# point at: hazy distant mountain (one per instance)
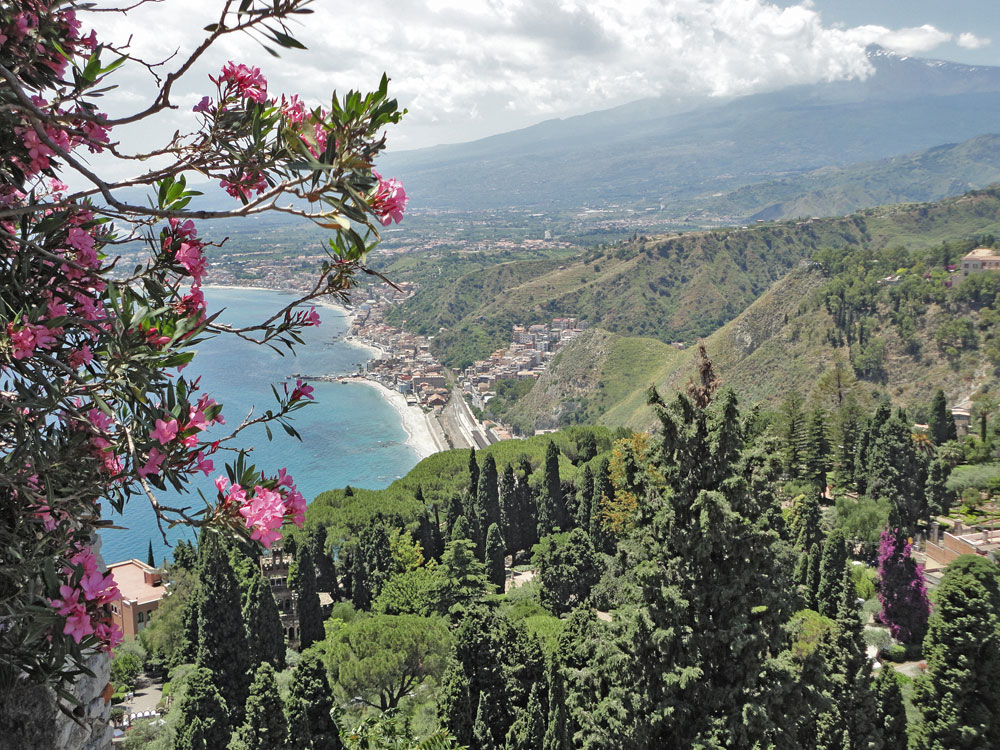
(925, 175)
(665, 150)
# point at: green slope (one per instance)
(677, 287)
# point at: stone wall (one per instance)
(31, 720)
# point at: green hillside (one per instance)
(670, 288)
(917, 336)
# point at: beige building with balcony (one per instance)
(141, 589)
(980, 259)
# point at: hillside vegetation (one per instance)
(676, 287)
(915, 337)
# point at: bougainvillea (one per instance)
(95, 409)
(901, 590)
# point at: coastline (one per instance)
(420, 434)
(416, 422)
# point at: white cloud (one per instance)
(968, 40)
(468, 68)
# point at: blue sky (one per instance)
(466, 69)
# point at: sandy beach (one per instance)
(420, 435)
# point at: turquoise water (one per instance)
(351, 435)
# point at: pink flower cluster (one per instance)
(265, 508)
(101, 425)
(181, 243)
(81, 604)
(172, 435)
(300, 392)
(389, 200)
(247, 81)
(26, 338)
(244, 184)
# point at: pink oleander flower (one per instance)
(44, 338)
(165, 431)
(23, 341)
(203, 464)
(248, 81)
(244, 185)
(95, 136)
(82, 356)
(183, 229)
(313, 317)
(293, 109)
(189, 256)
(389, 200)
(204, 105)
(153, 462)
(264, 514)
(301, 391)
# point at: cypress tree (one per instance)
(804, 526)
(896, 471)
(495, 549)
(310, 613)
(510, 524)
(185, 555)
(150, 561)
(556, 729)
(464, 576)
(940, 423)
(455, 703)
(203, 721)
(831, 574)
(454, 511)
(852, 684)
(222, 639)
(528, 730)
(585, 498)
(187, 652)
(901, 591)
(957, 695)
(889, 710)
(265, 634)
(482, 737)
(604, 492)
(526, 501)
(473, 473)
(326, 571)
(488, 494)
(794, 433)
(265, 727)
(940, 499)
(372, 564)
(813, 577)
(817, 453)
(310, 705)
(551, 507)
(849, 426)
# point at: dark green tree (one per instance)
(488, 494)
(551, 507)
(896, 471)
(454, 511)
(372, 563)
(309, 610)
(940, 423)
(851, 683)
(185, 555)
(455, 703)
(265, 727)
(712, 591)
(309, 707)
(817, 453)
(150, 560)
(203, 719)
(482, 737)
(510, 522)
(585, 496)
(222, 638)
(495, 553)
(586, 447)
(957, 695)
(794, 433)
(813, 577)
(528, 729)
(264, 632)
(326, 570)
(568, 569)
(804, 524)
(557, 734)
(940, 498)
(527, 503)
(187, 651)
(604, 492)
(889, 710)
(831, 574)
(473, 473)
(464, 576)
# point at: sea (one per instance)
(350, 435)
